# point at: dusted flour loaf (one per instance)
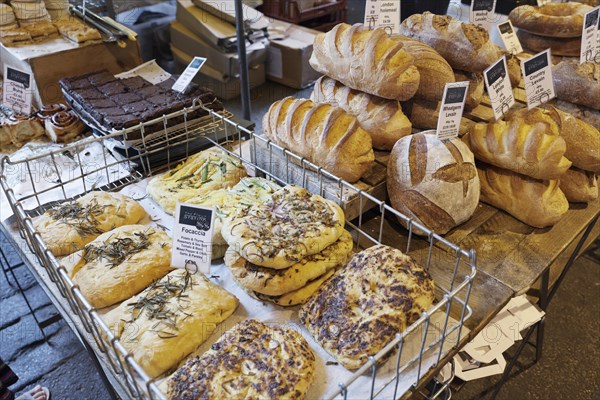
(120, 263)
(200, 174)
(170, 319)
(577, 83)
(433, 182)
(250, 361)
(292, 225)
(71, 225)
(365, 304)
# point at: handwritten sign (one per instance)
(383, 14)
(451, 110)
(192, 237)
(537, 73)
(499, 88)
(17, 90)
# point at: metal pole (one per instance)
(241, 44)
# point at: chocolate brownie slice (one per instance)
(139, 107)
(113, 88)
(101, 78)
(101, 103)
(120, 121)
(168, 84)
(149, 91)
(135, 83)
(83, 95)
(126, 98)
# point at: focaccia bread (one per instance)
(366, 60)
(170, 319)
(292, 225)
(69, 226)
(563, 20)
(364, 305)
(579, 186)
(120, 263)
(250, 361)
(295, 297)
(382, 119)
(202, 173)
(579, 84)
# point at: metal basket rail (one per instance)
(452, 296)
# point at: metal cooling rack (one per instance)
(452, 298)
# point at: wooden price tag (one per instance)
(498, 85)
(537, 73)
(383, 14)
(589, 36)
(192, 237)
(451, 110)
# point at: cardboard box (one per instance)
(51, 61)
(187, 41)
(225, 89)
(289, 55)
(216, 31)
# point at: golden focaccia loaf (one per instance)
(69, 226)
(250, 361)
(292, 225)
(170, 319)
(364, 305)
(202, 173)
(366, 60)
(120, 263)
(295, 297)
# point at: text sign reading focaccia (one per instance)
(17, 91)
(192, 237)
(589, 36)
(509, 38)
(499, 88)
(451, 110)
(537, 73)
(188, 75)
(482, 12)
(383, 14)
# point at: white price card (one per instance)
(589, 36)
(188, 75)
(192, 237)
(537, 73)
(499, 88)
(451, 110)
(512, 44)
(17, 90)
(383, 14)
(597, 52)
(482, 13)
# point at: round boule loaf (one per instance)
(433, 181)
(563, 20)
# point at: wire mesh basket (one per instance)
(452, 290)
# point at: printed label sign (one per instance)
(482, 12)
(188, 75)
(589, 36)
(451, 110)
(192, 237)
(17, 90)
(512, 44)
(499, 88)
(383, 14)
(537, 73)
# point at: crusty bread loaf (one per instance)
(570, 47)
(529, 144)
(514, 69)
(476, 87)
(536, 202)
(465, 46)
(579, 186)
(323, 134)
(432, 181)
(366, 60)
(586, 114)
(383, 119)
(564, 20)
(579, 84)
(424, 115)
(434, 70)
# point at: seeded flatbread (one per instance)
(168, 320)
(120, 263)
(299, 296)
(276, 282)
(250, 361)
(364, 305)
(200, 174)
(293, 225)
(73, 224)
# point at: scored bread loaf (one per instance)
(366, 60)
(465, 46)
(529, 144)
(586, 114)
(579, 84)
(570, 47)
(425, 114)
(434, 70)
(579, 186)
(323, 134)
(432, 181)
(382, 118)
(514, 69)
(536, 202)
(563, 20)
(476, 87)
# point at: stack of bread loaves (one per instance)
(30, 12)
(57, 9)
(7, 18)
(557, 26)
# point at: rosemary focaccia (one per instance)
(292, 225)
(202, 173)
(120, 263)
(227, 202)
(170, 319)
(69, 226)
(298, 296)
(363, 306)
(250, 361)
(276, 282)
